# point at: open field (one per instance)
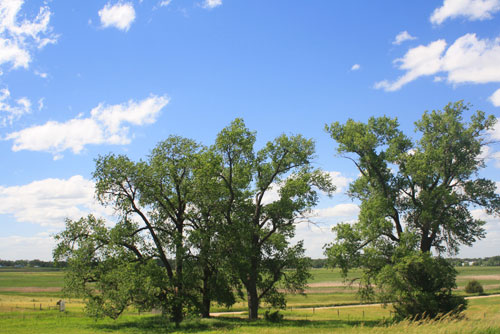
(28, 305)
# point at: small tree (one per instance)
(474, 287)
(415, 196)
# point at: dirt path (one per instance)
(217, 314)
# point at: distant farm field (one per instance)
(28, 305)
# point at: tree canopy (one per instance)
(414, 194)
(194, 226)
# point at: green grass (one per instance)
(20, 311)
(483, 316)
(31, 279)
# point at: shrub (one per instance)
(275, 316)
(474, 287)
(420, 286)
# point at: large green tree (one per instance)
(155, 203)
(258, 231)
(415, 195)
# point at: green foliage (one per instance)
(273, 316)
(420, 285)
(474, 286)
(195, 227)
(415, 195)
(258, 227)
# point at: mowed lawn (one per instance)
(28, 305)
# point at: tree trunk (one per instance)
(253, 298)
(205, 307)
(252, 295)
(177, 315)
(425, 244)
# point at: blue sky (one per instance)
(83, 78)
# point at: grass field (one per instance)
(28, 305)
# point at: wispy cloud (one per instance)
(107, 124)
(403, 36)
(355, 67)
(211, 3)
(470, 9)
(12, 110)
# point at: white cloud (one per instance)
(12, 111)
(42, 75)
(317, 234)
(355, 67)
(419, 61)
(211, 3)
(495, 98)
(495, 132)
(467, 60)
(19, 39)
(496, 157)
(41, 104)
(27, 248)
(48, 202)
(106, 125)
(339, 181)
(402, 37)
(119, 15)
(471, 9)
(164, 3)
(340, 210)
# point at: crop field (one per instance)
(28, 305)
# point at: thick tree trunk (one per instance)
(252, 295)
(253, 299)
(425, 244)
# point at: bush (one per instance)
(474, 287)
(275, 316)
(420, 286)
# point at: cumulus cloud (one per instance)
(340, 210)
(18, 39)
(402, 37)
(107, 124)
(12, 110)
(16, 247)
(467, 60)
(211, 3)
(471, 9)
(48, 202)
(317, 234)
(120, 15)
(419, 61)
(495, 132)
(495, 98)
(355, 67)
(339, 180)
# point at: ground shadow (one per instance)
(160, 324)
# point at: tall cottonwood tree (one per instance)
(152, 199)
(415, 196)
(258, 232)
